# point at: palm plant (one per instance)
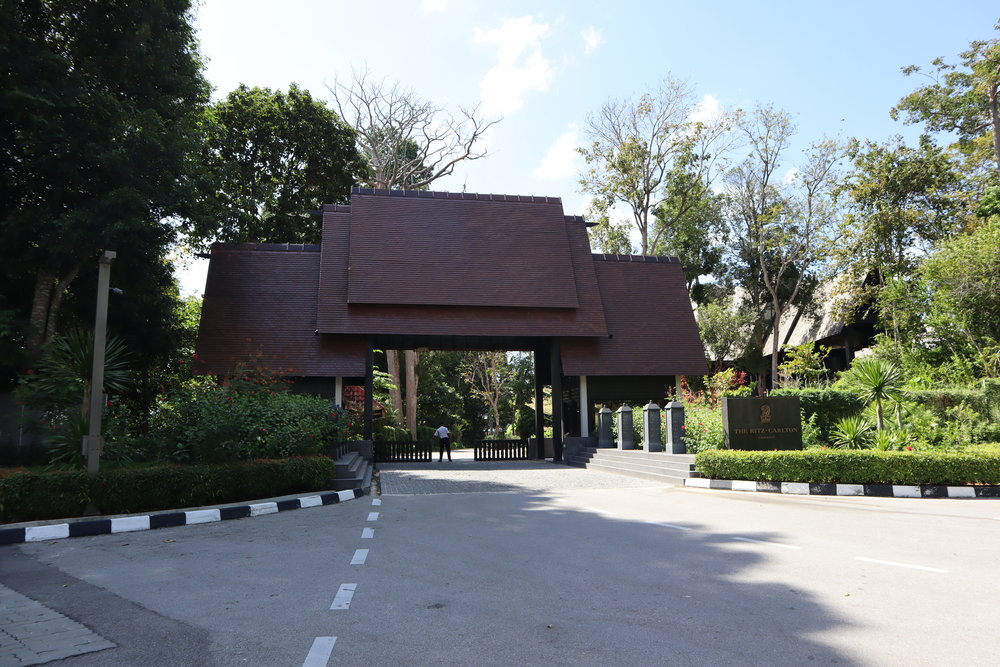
(851, 433)
(881, 382)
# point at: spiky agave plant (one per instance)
(851, 433)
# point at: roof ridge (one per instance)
(267, 247)
(474, 196)
(642, 259)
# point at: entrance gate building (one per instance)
(415, 269)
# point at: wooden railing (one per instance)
(501, 450)
(402, 451)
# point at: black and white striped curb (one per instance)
(821, 489)
(127, 524)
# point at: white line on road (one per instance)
(320, 652)
(343, 598)
(668, 525)
(367, 533)
(373, 516)
(359, 557)
(907, 565)
(376, 501)
(770, 544)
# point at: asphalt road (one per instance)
(561, 567)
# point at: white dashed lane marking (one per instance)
(770, 544)
(360, 556)
(924, 568)
(367, 533)
(668, 525)
(376, 501)
(373, 516)
(343, 598)
(319, 654)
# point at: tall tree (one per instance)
(635, 145)
(899, 202)
(409, 143)
(268, 159)
(963, 98)
(784, 228)
(98, 119)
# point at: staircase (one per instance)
(353, 472)
(657, 466)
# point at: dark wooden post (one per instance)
(369, 390)
(539, 408)
(555, 363)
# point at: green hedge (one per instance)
(852, 467)
(26, 496)
(939, 401)
(829, 406)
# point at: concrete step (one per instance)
(347, 463)
(658, 466)
(353, 472)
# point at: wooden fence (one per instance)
(501, 450)
(402, 451)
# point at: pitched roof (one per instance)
(260, 304)
(424, 248)
(338, 313)
(651, 328)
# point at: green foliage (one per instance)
(52, 495)
(852, 467)
(824, 406)
(851, 433)
(729, 382)
(879, 381)
(270, 158)
(702, 428)
(247, 416)
(724, 329)
(803, 364)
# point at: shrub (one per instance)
(827, 405)
(853, 466)
(851, 433)
(53, 495)
(702, 428)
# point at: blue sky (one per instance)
(546, 65)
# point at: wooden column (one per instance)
(555, 363)
(584, 408)
(369, 390)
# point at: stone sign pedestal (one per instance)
(675, 427)
(762, 423)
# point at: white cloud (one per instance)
(707, 111)
(592, 39)
(520, 67)
(790, 176)
(562, 160)
(434, 6)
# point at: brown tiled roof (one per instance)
(260, 303)
(421, 248)
(336, 315)
(652, 330)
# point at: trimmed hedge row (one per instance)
(829, 406)
(852, 467)
(28, 496)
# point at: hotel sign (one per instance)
(762, 423)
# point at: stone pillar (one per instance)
(626, 437)
(584, 408)
(675, 427)
(604, 438)
(651, 428)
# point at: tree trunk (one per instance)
(55, 302)
(395, 393)
(411, 359)
(775, 334)
(44, 282)
(994, 103)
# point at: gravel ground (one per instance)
(464, 475)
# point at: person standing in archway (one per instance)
(445, 444)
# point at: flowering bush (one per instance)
(702, 427)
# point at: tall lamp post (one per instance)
(93, 443)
